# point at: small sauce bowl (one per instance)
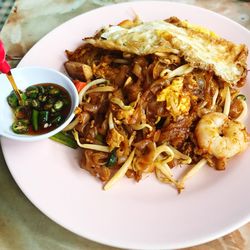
(25, 77)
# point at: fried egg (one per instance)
(200, 47)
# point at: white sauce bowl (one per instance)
(25, 77)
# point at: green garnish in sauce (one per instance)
(44, 107)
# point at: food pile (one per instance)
(157, 95)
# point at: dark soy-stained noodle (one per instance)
(141, 114)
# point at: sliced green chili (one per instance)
(35, 103)
(20, 127)
(22, 112)
(32, 91)
(54, 91)
(28, 102)
(57, 120)
(43, 117)
(41, 89)
(12, 100)
(54, 112)
(58, 105)
(42, 98)
(23, 99)
(48, 106)
(34, 119)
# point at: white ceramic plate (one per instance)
(145, 215)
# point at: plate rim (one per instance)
(115, 244)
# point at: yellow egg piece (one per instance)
(177, 102)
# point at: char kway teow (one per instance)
(157, 95)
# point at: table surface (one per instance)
(22, 225)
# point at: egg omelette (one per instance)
(200, 47)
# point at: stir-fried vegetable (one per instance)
(65, 138)
(112, 159)
(138, 112)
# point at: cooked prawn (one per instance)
(220, 136)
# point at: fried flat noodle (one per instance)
(149, 87)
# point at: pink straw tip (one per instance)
(4, 66)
